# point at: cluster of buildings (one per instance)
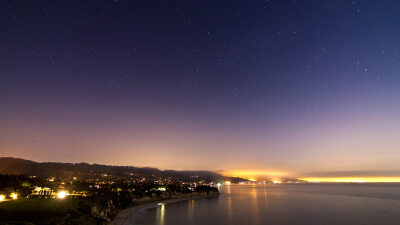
(45, 192)
(54, 187)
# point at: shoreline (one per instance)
(124, 214)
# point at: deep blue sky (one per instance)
(277, 86)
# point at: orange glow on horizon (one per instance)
(253, 175)
(351, 179)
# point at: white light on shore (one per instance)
(14, 195)
(61, 194)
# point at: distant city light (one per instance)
(161, 189)
(276, 182)
(2, 198)
(227, 182)
(61, 194)
(14, 195)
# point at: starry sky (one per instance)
(278, 87)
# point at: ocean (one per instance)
(282, 204)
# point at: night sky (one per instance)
(272, 87)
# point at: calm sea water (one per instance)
(283, 204)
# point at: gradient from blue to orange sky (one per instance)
(285, 88)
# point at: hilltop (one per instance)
(17, 166)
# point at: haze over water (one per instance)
(283, 204)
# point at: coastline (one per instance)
(124, 214)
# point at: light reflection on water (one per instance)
(190, 214)
(254, 203)
(160, 214)
(283, 204)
